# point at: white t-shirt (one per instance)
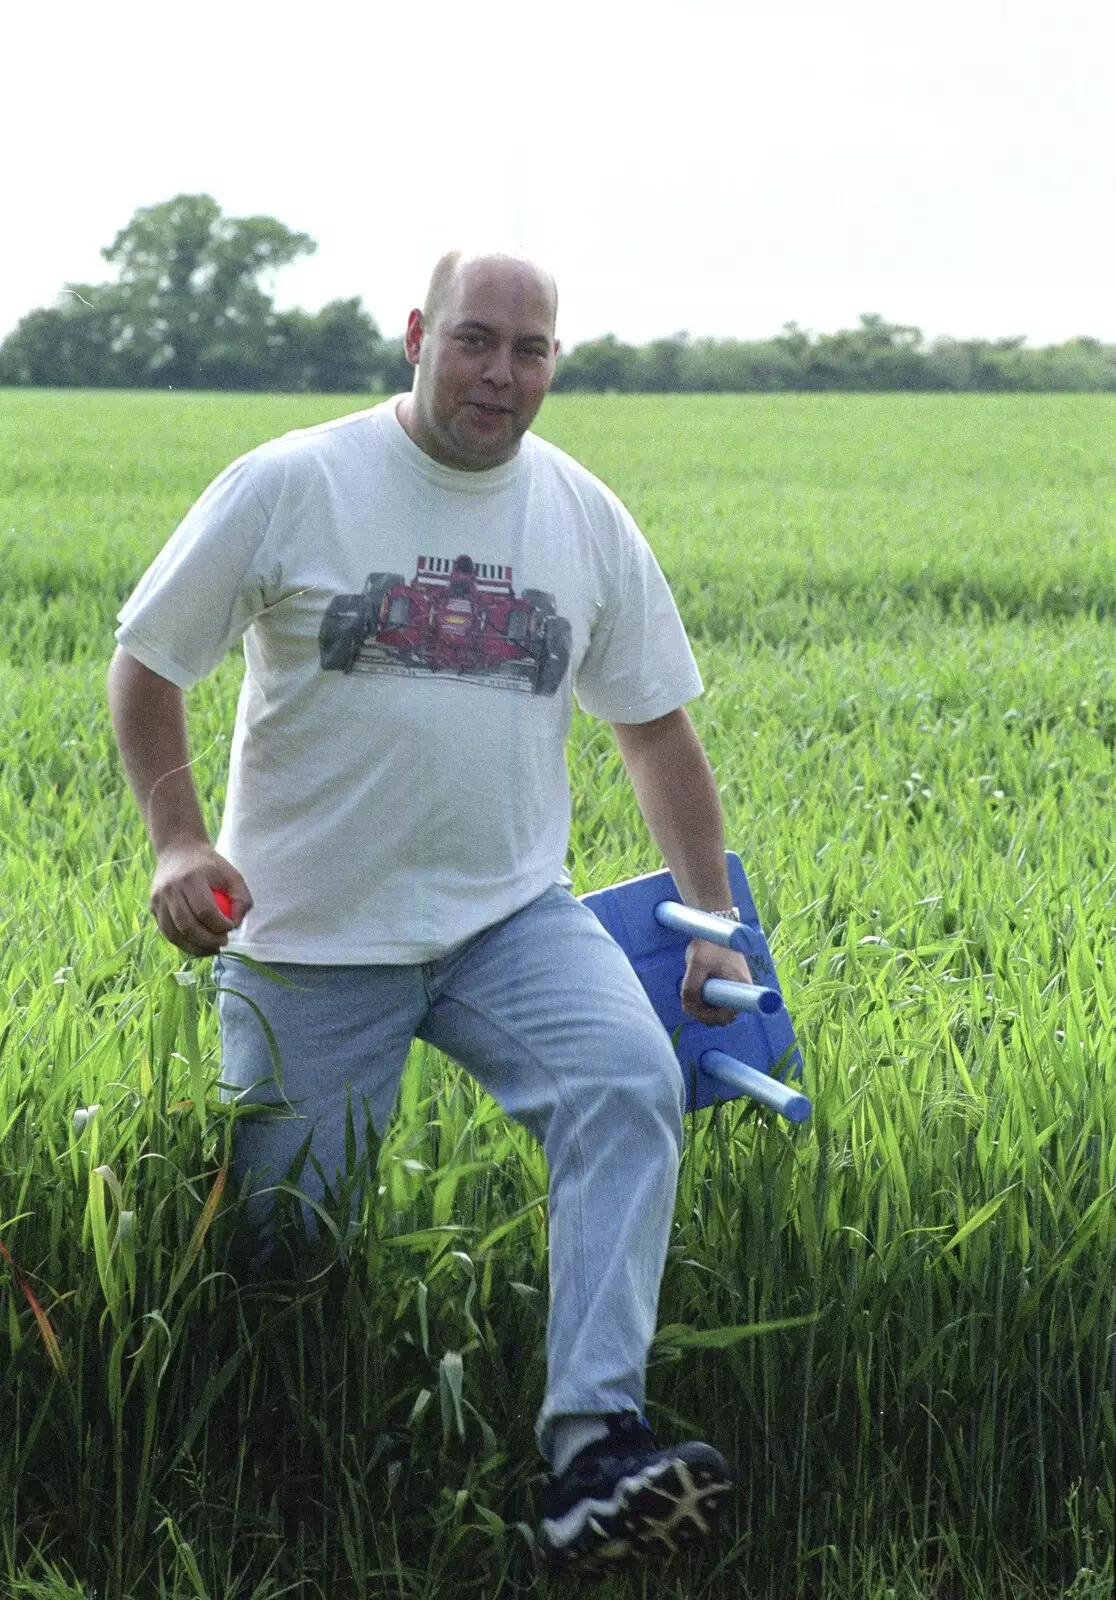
(412, 637)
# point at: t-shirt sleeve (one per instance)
(639, 664)
(199, 595)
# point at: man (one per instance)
(419, 590)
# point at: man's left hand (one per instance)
(706, 960)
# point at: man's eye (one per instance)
(474, 340)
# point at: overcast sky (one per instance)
(722, 166)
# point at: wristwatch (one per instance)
(730, 914)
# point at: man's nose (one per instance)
(498, 368)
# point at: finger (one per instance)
(239, 893)
(182, 941)
(705, 960)
(693, 987)
(177, 921)
(714, 1016)
(202, 915)
(230, 893)
(695, 1006)
(691, 997)
(233, 903)
(735, 971)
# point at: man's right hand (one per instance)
(182, 900)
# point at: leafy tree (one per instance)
(337, 350)
(394, 372)
(190, 307)
(877, 355)
(66, 345)
(188, 310)
(663, 361)
(794, 342)
(601, 365)
(734, 366)
(949, 365)
(1081, 365)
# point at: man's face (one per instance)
(483, 366)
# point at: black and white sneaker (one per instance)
(624, 1496)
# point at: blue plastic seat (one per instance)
(755, 1054)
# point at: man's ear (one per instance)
(412, 339)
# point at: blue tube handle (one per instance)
(701, 925)
(741, 996)
(742, 1079)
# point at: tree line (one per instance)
(188, 310)
(877, 355)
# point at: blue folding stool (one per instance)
(753, 1054)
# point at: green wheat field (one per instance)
(898, 1320)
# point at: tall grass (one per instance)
(900, 612)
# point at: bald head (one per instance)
(455, 265)
(483, 350)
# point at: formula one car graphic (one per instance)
(461, 618)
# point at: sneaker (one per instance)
(623, 1496)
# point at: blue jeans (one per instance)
(545, 1012)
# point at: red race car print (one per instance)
(461, 617)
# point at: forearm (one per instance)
(677, 795)
(149, 719)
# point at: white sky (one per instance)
(717, 165)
